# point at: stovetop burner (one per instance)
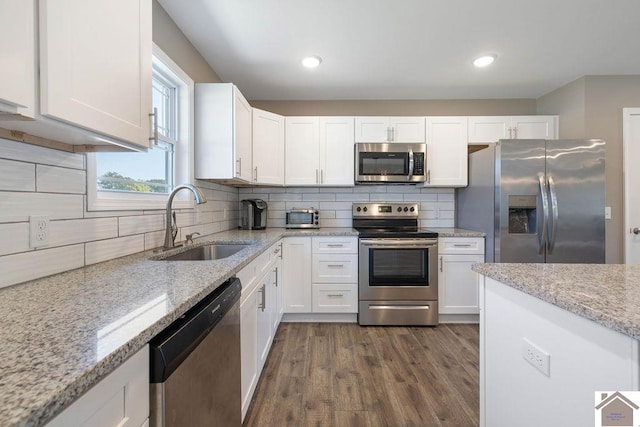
(389, 220)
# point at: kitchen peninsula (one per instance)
(553, 333)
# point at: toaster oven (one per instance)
(302, 218)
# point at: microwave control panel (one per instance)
(418, 163)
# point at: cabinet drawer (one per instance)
(334, 268)
(335, 245)
(335, 298)
(461, 245)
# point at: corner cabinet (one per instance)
(319, 151)
(267, 148)
(458, 299)
(484, 129)
(77, 74)
(120, 399)
(390, 129)
(447, 153)
(223, 126)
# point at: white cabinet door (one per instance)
(534, 127)
(242, 128)
(458, 284)
(447, 153)
(372, 129)
(120, 399)
(302, 148)
(407, 129)
(268, 148)
(336, 151)
(296, 254)
(488, 128)
(17, 50)
(249, 347)
(389, 129)
(95, 66)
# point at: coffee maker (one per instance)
(253, 215)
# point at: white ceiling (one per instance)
(410, 49)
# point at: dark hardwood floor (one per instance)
(334, 374)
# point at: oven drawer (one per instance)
(328, 268)
(334, 245)
(461, 245)
(398, 313)
(335, 298)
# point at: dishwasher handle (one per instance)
(175, 343)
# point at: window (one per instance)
(118, 180)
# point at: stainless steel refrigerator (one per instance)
(537, 200)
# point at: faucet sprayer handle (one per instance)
(189, 237)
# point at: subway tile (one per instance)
(276, 214)
(153, 240)
(107, 214)
(17, 176)
(104, 250)
(206, 217)
(15, 238)
(52, 179)
(446, 197)
(449, 206)
(185, 219)
(278, 206)
(328, 214)
(301, 205)
(269, 190)
(211, 228)
(317, 197)
(386, 197)
(17, 207)
(338, 206)
(67, 232)
(13, 150)
(371, 188)
(352, 197)
(344, 214)
(32, 265)
(303, 190)
(418, 197)
(336, 189)
(436, 223)
(342, 222)
(285, 197)
(139, 224)
(275, 223)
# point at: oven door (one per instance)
(398, 269)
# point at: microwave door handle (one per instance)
(410, 165)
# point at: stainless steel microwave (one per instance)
(393, 162)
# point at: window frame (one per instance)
(183, 152)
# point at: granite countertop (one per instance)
(608, 294)
(455, 232)
(62, 334)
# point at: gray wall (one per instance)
(591, 107)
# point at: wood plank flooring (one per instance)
(335, 374)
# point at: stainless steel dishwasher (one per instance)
(195, 364)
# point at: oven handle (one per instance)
(398, 307)
(397, 243)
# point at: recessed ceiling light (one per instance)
(483, 61)
(311, 61)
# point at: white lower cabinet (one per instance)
(457, 283)
(120, 399)
(321, 274)
(260, 315)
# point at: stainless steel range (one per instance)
(397, 266)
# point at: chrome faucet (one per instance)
(170, 236)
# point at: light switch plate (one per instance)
(607, 212)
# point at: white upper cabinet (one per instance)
(319, 151)
(75, 72)
(268, 148)
(17, 50)
(447, 153)
(336, 151)
(483, 129)
(390, 129)
(222, 133)
(95, 66)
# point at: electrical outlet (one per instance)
(537, 357)
(38, 231)
(607, 212)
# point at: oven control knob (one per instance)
(358, 209)
(406, 208)
(365, 209)
(412, 209)
(399, 209)
(316, 222)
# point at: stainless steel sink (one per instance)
(208, 252)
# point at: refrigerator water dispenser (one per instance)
(522, 214)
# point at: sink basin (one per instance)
(208, 252)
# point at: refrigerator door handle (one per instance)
(542, 234)
(553, 198)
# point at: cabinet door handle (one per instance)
(428, 176)
(335, 265)
(317, 182)
(461, 245)
(263, 303)
(335, 295)
(275, 270)
(238, 166)
(321, 176)
(440, 264)
(334, 245)
(393, 133)
(153, 117)
(255, 173)
(515, 133)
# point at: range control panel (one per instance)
(385, 210)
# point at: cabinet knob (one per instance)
(635, 230)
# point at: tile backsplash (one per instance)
(437, 205)
(41, 181)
